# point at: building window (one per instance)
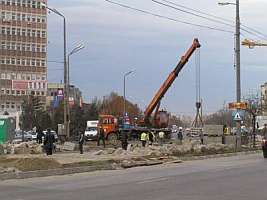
(3, 30)
(43, 34)
(8, 31)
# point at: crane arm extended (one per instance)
(251, 44)
(169, 81)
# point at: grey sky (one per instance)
(118, 40)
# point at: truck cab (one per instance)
(110, 125)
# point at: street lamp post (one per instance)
(66, 89)
(237, 60)
(124, 92)
(74, 51)
(237, 49)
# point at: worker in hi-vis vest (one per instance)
(144, 138)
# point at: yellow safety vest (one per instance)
(161, 135)
(143, 136)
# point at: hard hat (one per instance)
(180, 128)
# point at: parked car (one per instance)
(34, 136)
(21, 136)
(90, 133)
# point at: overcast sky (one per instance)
(118, 40)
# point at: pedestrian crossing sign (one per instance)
(238, 115)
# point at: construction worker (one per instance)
(49, 141)
(81, 141)
(161, 137)
(101, 136)
(151, 137)
(201, 136)
(224, 133)
(39, 136)
(180, 135)
(124, 140)
(143, 139)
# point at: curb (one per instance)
(74, 170)
(52, 172)
(219, 155)
(141, 164)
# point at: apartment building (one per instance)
(23, 56)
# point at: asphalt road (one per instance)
(234, 178)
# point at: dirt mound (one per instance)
(30, 164)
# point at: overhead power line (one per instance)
(199, 11)
(214, 18)
(168, 18)
(191, 13)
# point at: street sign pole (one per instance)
(238, 115)
(238, 131)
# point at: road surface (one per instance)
(234, 178)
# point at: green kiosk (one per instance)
(7, 128)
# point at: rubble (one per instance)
(110, 150)
(69, 146)
(22, 148)
(118, 151)
(36, 149)
(190, 148)
(98, 152)
(7, 170)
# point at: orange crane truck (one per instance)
(160, 119)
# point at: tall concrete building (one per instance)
(23, 56)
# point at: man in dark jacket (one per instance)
(39, 136)
(49, 142)
(81, 142)
(180, 135)
(124, 140)
(101, 136)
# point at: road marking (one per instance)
(152, 180)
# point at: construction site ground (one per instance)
(114, 158)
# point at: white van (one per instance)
(91, 130)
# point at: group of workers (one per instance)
(150, 138)
(146, 138)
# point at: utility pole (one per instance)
(66, 81)
(237, 64)
(237, 54)
(66, 87)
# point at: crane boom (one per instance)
(251, 44)
(169, 81)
